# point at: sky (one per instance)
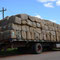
(44, 9)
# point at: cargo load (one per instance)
(28, 28)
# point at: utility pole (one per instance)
(3, 12)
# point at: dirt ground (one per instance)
(49, 55)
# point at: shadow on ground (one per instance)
(16, 52)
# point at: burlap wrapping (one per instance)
(25, 27)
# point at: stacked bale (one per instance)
(25, 27)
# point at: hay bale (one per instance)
(51, 28)
(41, 36)
(38, 30)
(52, 38)
(55, 25)
(12, 26)
(38, 25)
(44, 31)
(38, 20)
(58, 28)
(31, 29)
(23, 35)
(14, 19)
(28, 35)
(27, 28)
(34, 24)
(48, 36)
(55, 38)
(42, 26)
(19, 27)
(32, 35)
(58, 36)
(6, 35)
(29, 23)
(22, 16)
(43, 22)
(18, 35)
(44, 34)
(52, 35)
(50, 23)
(55, 28)
(24, 28)
(52, 32)
(36, 36)
(44, 37)
(23, 22)
(46, 27)
(31, 18)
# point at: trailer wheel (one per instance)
(37, 48)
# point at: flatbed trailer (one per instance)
(33, 46)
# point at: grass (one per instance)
(9, 52)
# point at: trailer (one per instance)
(24, 31)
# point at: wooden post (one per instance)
(3, 12)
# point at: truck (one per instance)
(23, 31)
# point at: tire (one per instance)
(37, 48)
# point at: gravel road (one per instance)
(55, 55)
